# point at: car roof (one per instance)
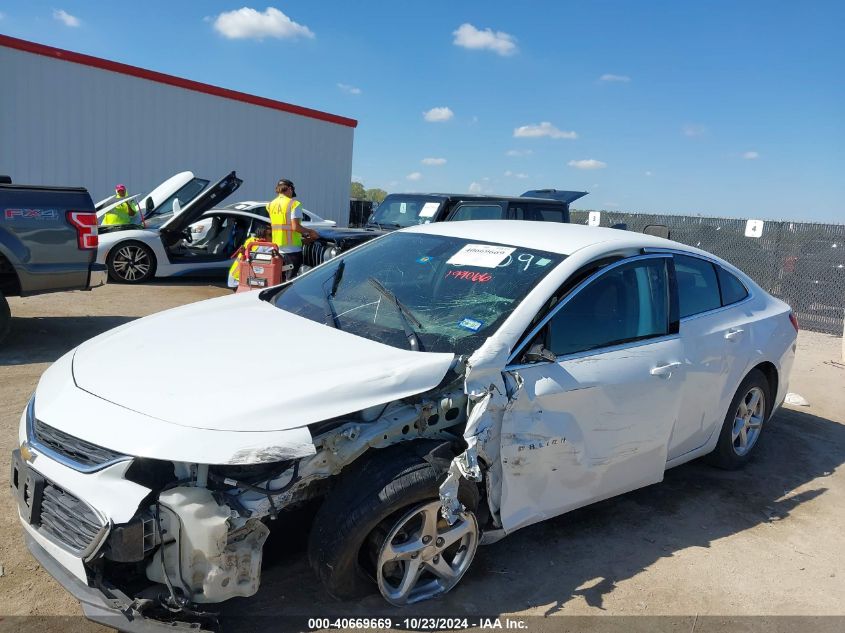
(554, 237)
(477, 197)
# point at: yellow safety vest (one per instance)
(235, 268)
(283, 233)
(120, 214)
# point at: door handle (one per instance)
(734, 333)
(664, 370)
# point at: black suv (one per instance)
(400, 210)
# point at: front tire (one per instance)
(382, 522)
(743, 425)
(131, 263)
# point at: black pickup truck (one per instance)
(400, 210)
(48, 242)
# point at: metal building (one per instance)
(73, 119)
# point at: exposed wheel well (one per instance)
(10, 285)
(771, 373)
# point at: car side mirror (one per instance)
(149, 205)
(537, 354)
(177, 208)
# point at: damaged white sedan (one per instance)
(482, 377)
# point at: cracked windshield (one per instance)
(437, 294)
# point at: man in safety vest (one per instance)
(286, 222)
(125, 213)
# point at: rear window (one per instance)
(733, 290)
(698, 288)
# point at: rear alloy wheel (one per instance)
(743, 425)
(131, 263)
(748, 421)
(423, 556)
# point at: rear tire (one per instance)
(131, 262)
(5, 317)
(744, 421)
(367, 505)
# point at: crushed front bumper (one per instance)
(113, 611)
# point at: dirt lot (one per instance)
(767, 540)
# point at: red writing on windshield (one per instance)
(468, 275)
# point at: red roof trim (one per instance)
(179, 82)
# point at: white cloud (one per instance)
(474, 187)
(247, 23)
(433, 161)
(544, 129)
(648, 173)
(414, 175)
(519, 152)
(350, 90)
(438, 115)
(473, 120)
(693, 129)
(470, 37)
(63, 16)
(511, 174)
(751, 155)
(617, 78)
(587, 163)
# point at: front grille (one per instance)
(68, 521)
(312, 253)
(79, 451)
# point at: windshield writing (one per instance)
(425, 292)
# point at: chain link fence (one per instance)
(802, 263)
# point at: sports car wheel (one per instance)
(743, 425)
(131, 263)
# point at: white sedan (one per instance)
(188, 235)
(482, 377)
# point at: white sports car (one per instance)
(185, 232)
(483, 377)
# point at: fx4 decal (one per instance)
(32, 214)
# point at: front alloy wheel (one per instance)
(131, 263)
(423, 556)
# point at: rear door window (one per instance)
(477, 212)
(538, 213)
(733, 290)
(698, 288)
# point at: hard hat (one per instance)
(120, 188)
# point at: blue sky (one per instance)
(718, 108)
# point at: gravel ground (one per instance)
(766, 540)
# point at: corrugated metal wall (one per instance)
(64, 123)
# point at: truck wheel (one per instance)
(743, 425)
(382, 522)
(131, 263)
(5, 317)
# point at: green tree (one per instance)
(357, 191)
(376, 195)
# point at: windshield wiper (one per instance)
(336, 277)
(405, 315)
